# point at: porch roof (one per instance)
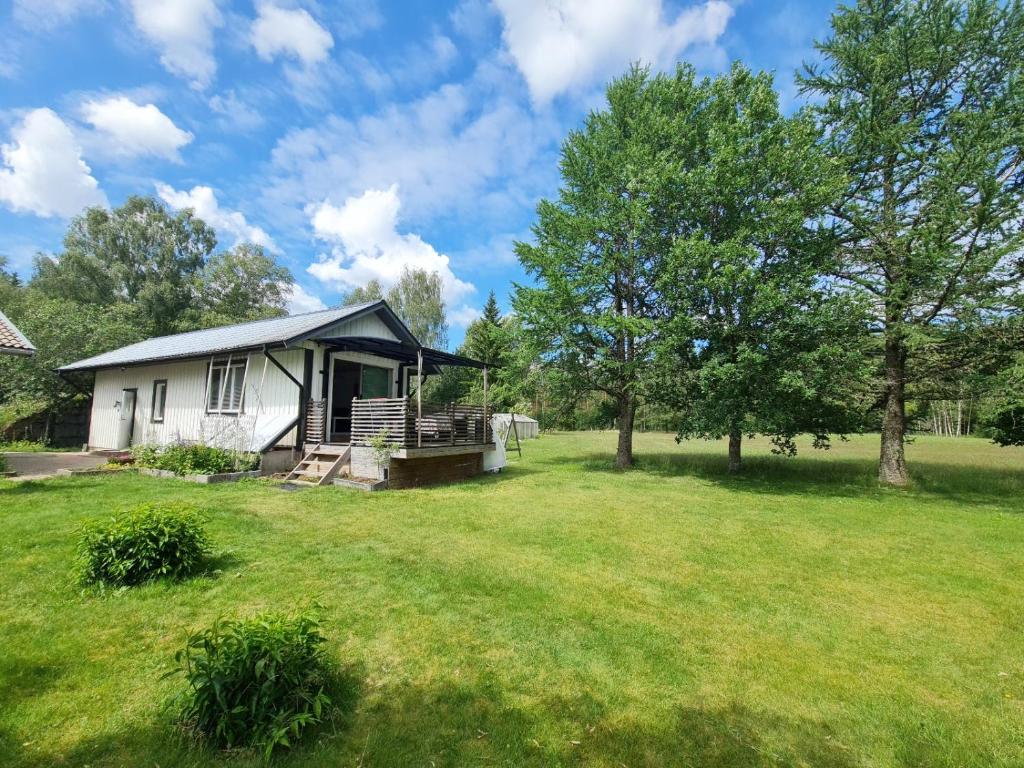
(402, 351)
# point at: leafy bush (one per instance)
(149, 542)
(194, 459)
(255, 683)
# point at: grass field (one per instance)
(564, 613)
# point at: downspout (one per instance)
(301, 420)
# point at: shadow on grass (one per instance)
(456, 724)
(829, 476)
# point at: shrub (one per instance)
(255, 683)
(149, 542)
(194, 459)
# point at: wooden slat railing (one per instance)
(449, 424)
(316, 420)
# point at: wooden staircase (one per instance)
(321, 464)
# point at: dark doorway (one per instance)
(344, 389)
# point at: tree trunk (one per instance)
(627, 412)
(892, 466)
(735, 444)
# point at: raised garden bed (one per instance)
(224, 477)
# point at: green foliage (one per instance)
(158, 540)
(243, 283)
(3, 463)
(922, 104)
(255, 683)
(1003, 417)
(416, 298)
(372, 291)
(753, 342)
(599, 248)
(383, 447)
(194, 459)
(139, 253)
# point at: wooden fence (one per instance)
(440, 425)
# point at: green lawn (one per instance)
(563, 613)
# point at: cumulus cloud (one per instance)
(135, 129)
(203, 201)
(43, 171)
(368, 245)
(183, 32)
(47, 14)
(559, 45)
(289, 32)
(300, 300)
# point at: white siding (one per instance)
(269, 395)
(368, 325)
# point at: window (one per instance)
(226, 386)
(159, 399)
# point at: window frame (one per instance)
(163, 402)
(226, 364)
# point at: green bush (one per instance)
(255, 683)
(194, 459)
(3, 463)
(150, 542)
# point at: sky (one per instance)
(350, 138)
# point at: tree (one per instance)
(485, 337)
(599, 249)
(372, 291)
(138, 253)
(922, 104)
(417, 299)
(753, 342)
(242, 284)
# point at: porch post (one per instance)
(419, 397)
(485, 404)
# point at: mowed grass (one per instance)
(563, 613)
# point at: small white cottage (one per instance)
(316, 387)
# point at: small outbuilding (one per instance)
(526, 427)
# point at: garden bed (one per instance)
(222, 477)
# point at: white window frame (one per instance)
(229, 369)
(159, 402)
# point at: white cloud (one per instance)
(183, 32)
(43, 169)
(368, 245)
(300, 300)
(559, 45)
(135, 129)
(47, 14)
(464, 315)
(451, 152)
(203, 201)
(289, 32)
(236, 113)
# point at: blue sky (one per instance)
(349, 137)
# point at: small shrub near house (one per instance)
(153, 541)
(194, 459)
(255, 683)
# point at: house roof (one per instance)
(278, 331)
(13, 341)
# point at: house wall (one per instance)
(269, 394)
(270, 397)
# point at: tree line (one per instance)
(758, 273)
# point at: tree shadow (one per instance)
(455, 724)
(848, 477)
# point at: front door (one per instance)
(344, 389)
(126, 418)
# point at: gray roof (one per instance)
(13, 341)
(278, 331)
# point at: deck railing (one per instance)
(448, 424)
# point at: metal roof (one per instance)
(278, 331)
(13, 341)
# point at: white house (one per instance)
(316, 386)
